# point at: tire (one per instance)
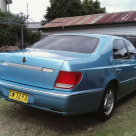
(107, 104)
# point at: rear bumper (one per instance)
(67, 103)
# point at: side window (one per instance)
(130, 47)
(119, 50)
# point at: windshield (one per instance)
(69, 43)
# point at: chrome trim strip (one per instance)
(106, 67)
(27, 67)
(24, 66)
(122, 65)
(55, 94)
(48, 70)
(127, 80)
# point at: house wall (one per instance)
(34, 26)
(3, 5)
(123, 30)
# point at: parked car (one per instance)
(70, 74)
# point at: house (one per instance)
(34, 26)
(120, 24)
(4, 5)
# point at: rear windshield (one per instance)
(69, 43)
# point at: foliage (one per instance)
(43, 22)
(90, 7)
(70, 8)
(10, 34)
(30, 37)
(63, 8)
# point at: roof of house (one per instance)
(118, 17)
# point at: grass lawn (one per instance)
(19, 120)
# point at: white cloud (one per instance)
(37, 7)
(118, 5)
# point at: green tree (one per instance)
(63, 8)
(92, 7)
(10, 34)
(70, 8)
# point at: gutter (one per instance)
(9, 1)
(87, 25)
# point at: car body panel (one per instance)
(133, 64)
(126, 75)
(98, 70)
(66, 103)
(36, 59)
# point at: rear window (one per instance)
(80, 44)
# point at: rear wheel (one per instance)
(107, 104)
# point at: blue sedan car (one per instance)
(70, 74)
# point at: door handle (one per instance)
(118, 71)
(135, 68)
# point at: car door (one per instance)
(122, 65)
(132, 52)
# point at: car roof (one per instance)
(84, 34)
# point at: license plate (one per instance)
(18, 96)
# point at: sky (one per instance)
(37, 8)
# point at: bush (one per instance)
(9, 48)
(10, 34)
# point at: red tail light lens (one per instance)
(68, 80)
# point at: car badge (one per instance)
(24, 60)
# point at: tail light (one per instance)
(68, 80)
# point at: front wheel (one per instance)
(107, 104)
